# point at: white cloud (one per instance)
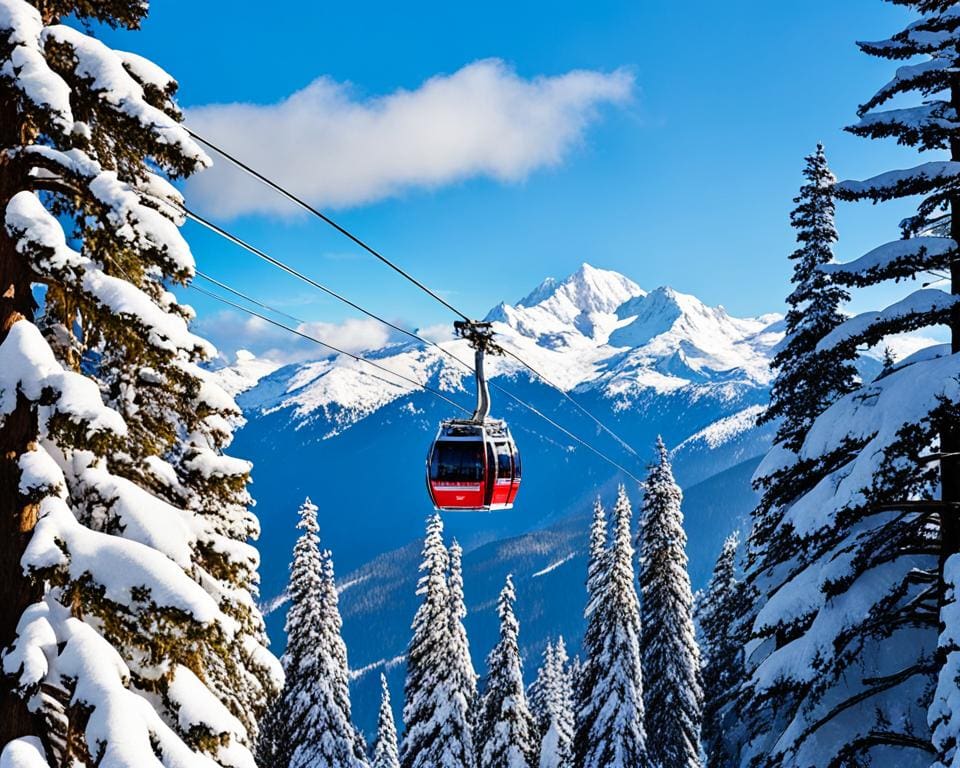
(337, 149)
(232, 332)
(350, 335)
(437, 333)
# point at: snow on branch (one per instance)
(921, 309)
(147, 217)
(26, 67)
(929, 125)
(39, 234)
(26, 752)
(929, 35)
(198, 708)
(872, 417)
(901, 183)
(28, 367)
(146, 72)
(105, 71)
(122, 567)
(894, 261)
(928, 76)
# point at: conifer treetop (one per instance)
(385, 751)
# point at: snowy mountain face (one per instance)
(596, 331)
(646, 363)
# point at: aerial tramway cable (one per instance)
(315, 340)
(416, 384)
(319, 214)
(262, 178)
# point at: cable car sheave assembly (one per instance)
(474, 464)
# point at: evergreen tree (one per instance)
(435, 712)
(843, 656)
(463, 678)
(385, 751)
(310, 726)
(610, 723)
(672, 698)
(506, 732)
(797, 397)
(718, 612)
(538, 693)
(593, 637)
(127, 589)
(555, 719)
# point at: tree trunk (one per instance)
(18, 431)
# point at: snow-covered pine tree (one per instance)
(436, 730)
(844, 655)
(718, 613)
(576, 675)
(556, 721)
(310, 725)
(797, 397)
(538, 692)
(672, 697)
(463, 677)
(808, 379)
(593, 638)
(385, 751)
(610, 716)
(125, 580)
(506, 732)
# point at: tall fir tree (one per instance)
(463, 677)
(310, 725)
(506, 731)
(672, 697)
(551, 704)
(796, 397)
(718, 613)
(437, 729)
(538, 692)
(844, 656)
(610, 717)
(386, 753)
(808, 379)
(587, 675)
(127, 588)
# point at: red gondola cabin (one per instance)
(473, 466)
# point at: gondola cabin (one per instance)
(473, 466)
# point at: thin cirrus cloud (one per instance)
(340, 150)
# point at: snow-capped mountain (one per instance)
(596, 331)
(646, 363)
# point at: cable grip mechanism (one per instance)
(479, 335)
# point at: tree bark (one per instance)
(950, 432)
(18, 432)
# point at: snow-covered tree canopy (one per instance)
(552, 707)
(610, 714)
(672, 695)
(843, 657)
(797, 398)
(437, 713)
(310, 725)
(718, 613)
(386, 753)
(127, 585)
(507, 735)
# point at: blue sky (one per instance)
(676, 168)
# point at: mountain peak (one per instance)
(582, 304)
(543, 291)
(589, 289)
